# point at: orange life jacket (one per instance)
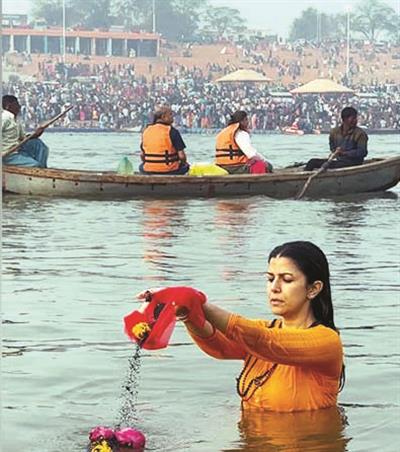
(227, 151)
(160, 156)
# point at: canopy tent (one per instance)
(243, 75)
(322, 86)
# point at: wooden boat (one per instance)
(374, 175)
(292, 131)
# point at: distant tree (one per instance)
(174, 19)
(88, 13)
(223, 20)
(94, 13)
(341, 22)
(51, 12)
(188, 14)
(373, 17)
(313, 25)
(393, 28)
(177, 20)
(133, 14)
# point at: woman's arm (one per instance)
(210, 337)
(317, 347)
(242, 139)
(216, 318)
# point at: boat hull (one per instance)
(378, 175)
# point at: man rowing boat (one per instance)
(34, 152)
(348, 142)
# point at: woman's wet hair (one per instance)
(237, 117)
(313, 263)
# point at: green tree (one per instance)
(313, 25)
(223, 21)
(188, 13)
(133, 14)
(374, 17)
(393, 28)
(340, 20)
(174, 19)
(88, 13)
(51, 12)
(94, 13)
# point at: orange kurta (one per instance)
(309, 363)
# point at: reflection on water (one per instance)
(231, 222)
(161, 222)
(321, 430)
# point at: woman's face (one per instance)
(288, 292)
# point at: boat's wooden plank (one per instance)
(375, 175)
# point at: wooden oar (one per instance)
(28, 137)
(323, 168)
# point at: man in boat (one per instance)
(234, 151)
(348, 142)
(34, 152)
(162, 148)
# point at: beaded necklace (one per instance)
(260, 380)
(256, 382)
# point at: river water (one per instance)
(71, 269)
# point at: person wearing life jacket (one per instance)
(234, 151)
(162, 148)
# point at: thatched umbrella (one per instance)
(322, 86)
(243, 75)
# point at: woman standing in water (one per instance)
(292, 363)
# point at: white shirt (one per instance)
(242, 139)
(12, 131)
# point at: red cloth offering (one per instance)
(152, 328)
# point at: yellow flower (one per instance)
(141, 330)
(103, 446)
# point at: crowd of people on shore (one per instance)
(120, 97)
(116, 98)
(292, 59)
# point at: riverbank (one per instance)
(197, 131)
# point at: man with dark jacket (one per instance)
(348, 142)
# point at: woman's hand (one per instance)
(145, 295)
(182, 313)
(187, 301)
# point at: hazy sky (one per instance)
(274, 16)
